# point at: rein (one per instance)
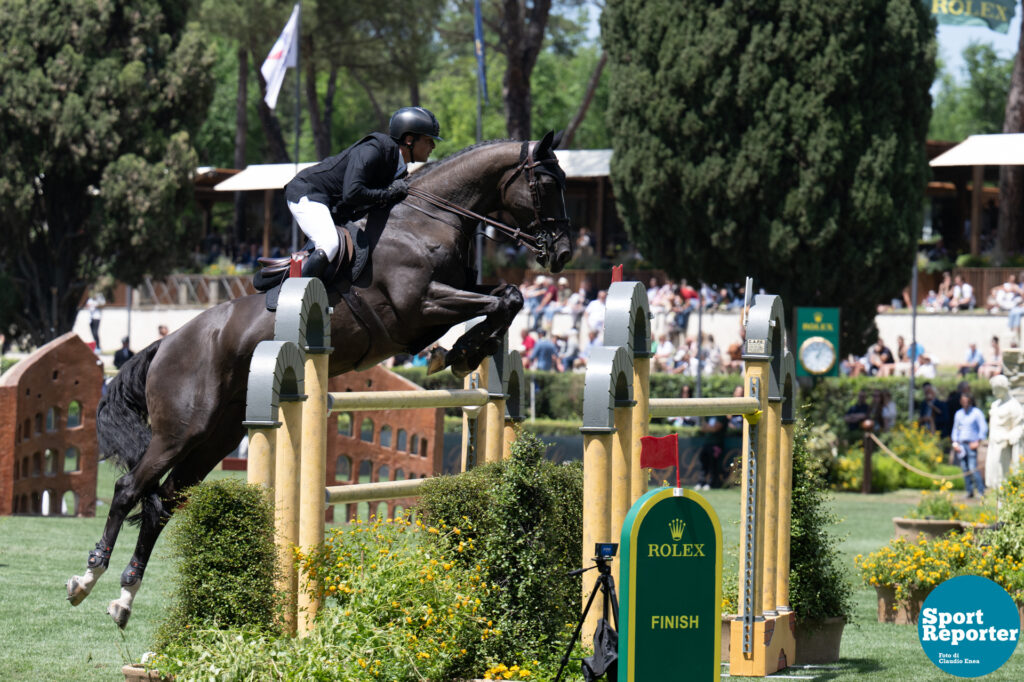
(541, 245)
(515, 233)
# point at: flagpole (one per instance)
(298, 114)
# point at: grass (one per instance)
(45, 639)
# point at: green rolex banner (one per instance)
(995, 14)
(670, 575)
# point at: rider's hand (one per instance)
(397, 191)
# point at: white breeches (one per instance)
(316, 222)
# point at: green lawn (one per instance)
(45, 639)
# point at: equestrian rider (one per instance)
(367, 175)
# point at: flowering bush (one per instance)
(939, 504)
(909, 566)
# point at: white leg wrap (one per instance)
(88, 580)
(127, 595)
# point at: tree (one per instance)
(516, 29)
(1011, 178)
(99, 101)
(778, 139)
(976, 105)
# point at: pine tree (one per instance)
(782, 139)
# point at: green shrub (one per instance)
(819, 587)
(886, 474)
(526, 519)
(223, 540)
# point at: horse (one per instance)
(176, 408)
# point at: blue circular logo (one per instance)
(969, 626)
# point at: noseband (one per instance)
(540, 235)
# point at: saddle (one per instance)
(350, 262)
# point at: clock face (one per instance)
(817, 355)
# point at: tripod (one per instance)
(606, 584)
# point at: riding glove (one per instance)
(397, 191)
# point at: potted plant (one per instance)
(904, 572)
(937, 514)
(819, 588)
(820, 591)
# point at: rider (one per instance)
(366, 175)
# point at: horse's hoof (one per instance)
(119, 613)
(438, 360)
(76, 591)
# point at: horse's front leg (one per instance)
(446, 305)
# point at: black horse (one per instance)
(176, 408)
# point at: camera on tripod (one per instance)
(604, 662)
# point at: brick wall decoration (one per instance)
(48, 450)
(381, 445)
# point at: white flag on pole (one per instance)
(281, 56)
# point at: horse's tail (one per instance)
(122, 427)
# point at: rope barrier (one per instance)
(911, 467)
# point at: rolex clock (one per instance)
(817, 355)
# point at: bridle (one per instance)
(540, 235)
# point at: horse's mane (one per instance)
(428, 168)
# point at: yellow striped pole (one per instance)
(597, 453)
(785, 505)
(772, 422)
(640, 425)
(260, 464)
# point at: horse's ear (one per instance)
(557, 142)
(545, 143)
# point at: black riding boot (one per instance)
(316, 264)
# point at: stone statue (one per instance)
(1006, 430)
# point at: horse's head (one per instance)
(534, 194)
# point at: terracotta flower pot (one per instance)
(902, 613)
(932, 528)
(817, 641)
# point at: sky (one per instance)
(953, 40)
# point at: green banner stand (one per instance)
(670, 606)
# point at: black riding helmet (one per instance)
(415, 120)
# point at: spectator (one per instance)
(953, 403)
(532, 295)
(994, 364)
(93, 305)
(593, 341)
(123, 354)
(932, 303)
(527, 341)
(544, 356)
(548, 305)
(931, 414)
(962, 297)
(858, 413)
(685, 392)
(711, 452)
(969, 429)
(664, 353)
(568, 350)
(887, 411)
(973, 360)
(584, 243)
(594, 313)
(945, 291)
(421, 359)
(711, 356)
(879, 355)
(162, 330)
(732, 363)
(1004, 297)
(736, 420)
(925, 368)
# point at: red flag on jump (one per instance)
(659, 453)
(617, 273)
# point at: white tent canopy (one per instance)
(262, 176)
(985, 150)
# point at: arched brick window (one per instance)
(345, 424)
(343, 468)
(401, 445)
(383, 473)
(72, 460)
(385, 436)
(74, 415)
(366, 430)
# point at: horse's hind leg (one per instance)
(157, 508)
(128, 490)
